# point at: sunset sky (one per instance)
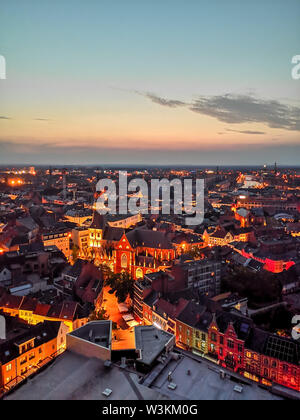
(149, 82)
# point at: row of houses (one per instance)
(25, 349)
(34, 312)
(226, 337)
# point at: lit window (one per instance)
(124, 261)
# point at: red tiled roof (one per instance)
(41, 309)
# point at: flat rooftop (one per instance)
(97, 332)
(75, 377)
(151, 341)
(203, 383)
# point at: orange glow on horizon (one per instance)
(15, 182)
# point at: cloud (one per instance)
(245, 131)
(239, 109)
(162, 101)
(42, 119)
(2, 117)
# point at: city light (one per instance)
(13, 182)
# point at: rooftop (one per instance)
(204, 383)
(151, 341)
(75, 377)
(97, 332)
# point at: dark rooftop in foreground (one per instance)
(151, 342)
(95, 332)
(75, 377)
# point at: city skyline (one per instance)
(116, 83)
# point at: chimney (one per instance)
(2, 328)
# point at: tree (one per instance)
(195, 252)
(75, 253)
(100, 315)
(106, 272)
(260, 288)
(121, 284)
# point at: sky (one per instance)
(149, 82)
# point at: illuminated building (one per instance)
(293, 229)
(59, 238)
(185, 242)
(141, 252)
(125, 222)
(34, 312)
(220, 237)
(275, 203)
(79, 217)
(229, 339)
(80, 238)
(24, 349)
(137, 252)
(243, 216)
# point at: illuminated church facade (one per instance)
(138, 251)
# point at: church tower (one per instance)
(96, 230)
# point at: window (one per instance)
(213, 337)
(230, 344)
(285, 368)
(221, 340)
(203, 336)
(8, 367)
(240, 348)
(124, 261)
